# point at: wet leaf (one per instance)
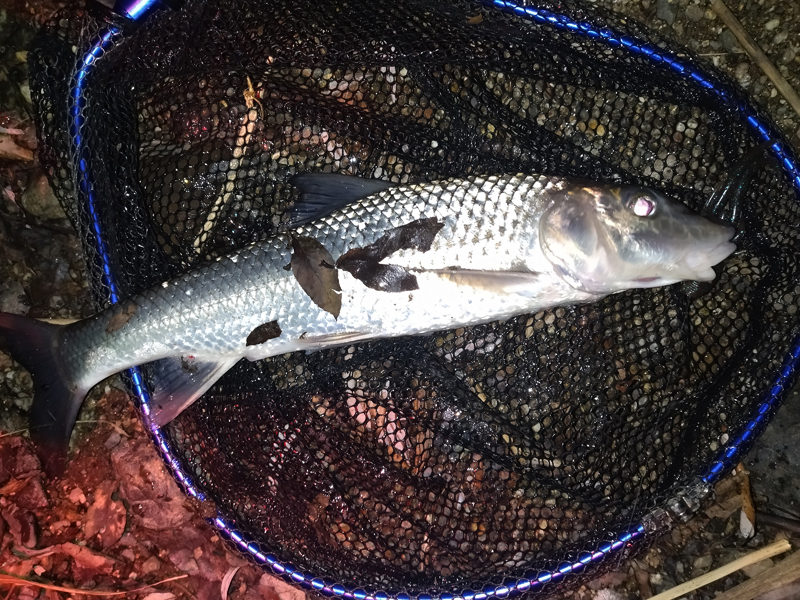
(105, 516)
(364, 263)
(313, 267)
(263, 333)
(121, 317)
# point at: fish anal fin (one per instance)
(179, 381)
(522, 283)
(329, 340)
(323, 193)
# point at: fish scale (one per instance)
(451, 253)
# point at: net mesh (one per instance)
(467, 456)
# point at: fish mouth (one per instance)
(699, 264)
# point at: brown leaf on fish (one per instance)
(263, 333)
(364, 263)
(313, 267)
(121, 318)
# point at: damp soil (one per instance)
(117, 521)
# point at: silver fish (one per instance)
(366, 260)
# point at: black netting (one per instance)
(470, 455)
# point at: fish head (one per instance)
(608, 239)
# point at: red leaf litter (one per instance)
(116, 520)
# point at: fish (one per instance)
(363, 259)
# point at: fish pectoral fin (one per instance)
(179, 381)
(522, 283)
(323, 193)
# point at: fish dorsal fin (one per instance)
(522, 283)
(179, 381)
(323, 193)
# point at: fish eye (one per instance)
(643, 206)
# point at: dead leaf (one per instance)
(105, 516)
(13, 486)
(87, 559)
(121, 318)
(365, 263)
(313, 267)
(263, 333)
(272, 587)
(146, 484)
(21, 525)
(227, 580)
(10, 151)
(475, 20)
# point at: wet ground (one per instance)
(111, 521)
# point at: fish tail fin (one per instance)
(56, 399)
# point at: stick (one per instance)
(757, 55)
(784, 523)
(767, 551)
(785, 572)
(15, 581)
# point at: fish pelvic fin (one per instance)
(179, 381)
(56, 398)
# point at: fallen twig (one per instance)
(749, 559)
(784, 523)
(757, 54)
(114, 426)
(18, 431)
(784, 573)
(15, 581)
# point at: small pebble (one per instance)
(150, 565)
(742, 73)
(128, 555)
(694, 13)
(772, 24)
(39, 199)
(780, 37)
(76, 496)
(729, 41)
(788, 55)
(702, 563)
(12, 298)
(665, 12)
(113, 440)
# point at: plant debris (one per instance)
(312, 266)
(365, 263)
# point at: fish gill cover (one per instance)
(493, 457)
